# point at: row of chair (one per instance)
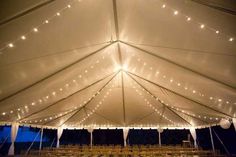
(131, 151)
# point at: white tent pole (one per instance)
(159, 136)
(91, 137)
(14, 130)
(194, 135)
(41, 139)
(212, 141)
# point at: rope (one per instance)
(31, 144)
(226, 150)
(4, 141)
(52, 142)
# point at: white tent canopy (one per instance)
(117, 63)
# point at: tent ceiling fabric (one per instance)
(117, 63)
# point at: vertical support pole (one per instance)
(159, 136)
(41, 139)
(212, 141)
(91, 137)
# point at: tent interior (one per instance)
(86, 64)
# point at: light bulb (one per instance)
(202, 26)
(231, 39)
(46, 21)
(23, 37)
(217, 32)
(58, 14)
(69, 6)
(189, 18)
(163, 6)
(176, 12)
(35, 29)
(11, 45)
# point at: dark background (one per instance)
(26, 135)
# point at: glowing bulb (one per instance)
(217, 32)
(11, 111)
(178, 84)
(163, 6)
(194, 91)
(69, 6)
(11, 45)
(211, 98)
(35, 29)
(23, 37)
(58, 14)
(231, 39)
(219, 100)
(171, 80)
(4, 113)
(46, 21)
(202, 26)
(189, 18)
(176, 12)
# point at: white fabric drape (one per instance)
(194, 135)
(125, 134)
(14, 130)
(234, 123)
(59, 133)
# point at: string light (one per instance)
(35, 29)
(45, 22)
(11, 45)
(231, 39)
(201, 26)
(23, 37)
(186, 88)
(176, 12)
(53, 93)
(151, 106)
(173, 107)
